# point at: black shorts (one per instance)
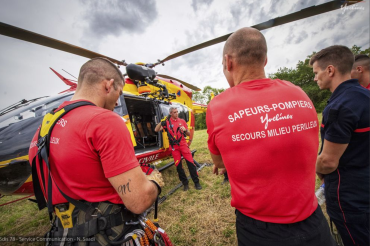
(313, 231)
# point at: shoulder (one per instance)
(221, 98)
(356, 97)
(104, 116)
(289, 85)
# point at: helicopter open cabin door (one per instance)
(141, 116)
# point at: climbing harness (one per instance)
(101, 223)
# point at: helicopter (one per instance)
(147, 97)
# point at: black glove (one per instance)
(164, 121)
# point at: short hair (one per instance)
(248, 45)
(362, 60)
(172, 108)
(341, 57)
(97, 69)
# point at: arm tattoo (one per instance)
(123, 188)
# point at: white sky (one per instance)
(147, 30)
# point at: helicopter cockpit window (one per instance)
(34, 109)
(165, 109)
(183, 111)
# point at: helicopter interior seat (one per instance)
(140, 136)
(148, 126)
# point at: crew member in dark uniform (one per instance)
(344, 159)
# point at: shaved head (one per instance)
(248, 46)
(362, 60)
(98, 69)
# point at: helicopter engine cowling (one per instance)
(140, 73)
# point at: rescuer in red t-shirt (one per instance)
(361, 70)
(91, 155)
(177, 129)
(265, 133)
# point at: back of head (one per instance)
(248, 46)
(98, 69)
(338, 56)
(362, 60)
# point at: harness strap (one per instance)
(41, 203)
(171, 136)
(43, 155)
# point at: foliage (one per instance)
(303, 77)
(204, 97)
(200, 121)
(356, 50)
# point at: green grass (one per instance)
(202, 217)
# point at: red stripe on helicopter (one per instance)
(129, 81)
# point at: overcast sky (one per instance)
(147, 30)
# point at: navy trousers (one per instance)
(354, 234)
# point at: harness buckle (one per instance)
(41, 142)
(102, 226)
(98, 214)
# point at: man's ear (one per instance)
(360, 69)
(108, 85)
(266, 61)
(228, 62)
(331, 70)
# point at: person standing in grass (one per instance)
(264, 132)
(344, 159)
(177, 129)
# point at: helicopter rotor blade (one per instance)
(302, 14)
(32, 37)
(190, 86)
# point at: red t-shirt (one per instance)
(88, 145)
(267, 134)
(367, 87)
(177, 124)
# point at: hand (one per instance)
(183, 129)
(156, 176)
(164, 121)
(321, 177)
(218, 171)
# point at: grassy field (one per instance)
(190, 218)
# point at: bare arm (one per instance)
(135, 190)
(218, 164)
(158, 127)
(328, 160)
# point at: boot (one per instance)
(186, 187)
(198, 186)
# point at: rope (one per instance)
(20, 199)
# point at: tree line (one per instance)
(301, 76)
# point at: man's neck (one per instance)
(172, 118)
(249, 75)
(365, 80)
(79, 95)
(339, 80)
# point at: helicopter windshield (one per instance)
(35, 108)
(40, 106)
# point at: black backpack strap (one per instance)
(43, 155)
